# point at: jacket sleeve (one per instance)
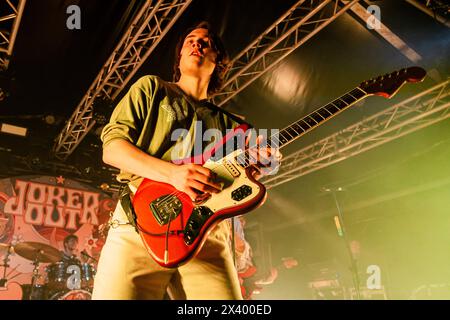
(128, 117)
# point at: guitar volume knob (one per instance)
(193, 225)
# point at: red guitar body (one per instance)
(156, 203)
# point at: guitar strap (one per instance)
(125, 201)
(232, 116)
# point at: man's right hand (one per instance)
(192, 179)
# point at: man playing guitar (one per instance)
(138, 141)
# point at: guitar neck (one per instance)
(316, 118)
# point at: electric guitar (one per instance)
(173, 228)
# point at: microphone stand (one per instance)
(84, 253)
(342, 232)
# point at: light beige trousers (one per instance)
(127, 271)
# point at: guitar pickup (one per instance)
(231, 168)
(241, 193)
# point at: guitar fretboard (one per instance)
(316, 118)
(309, 122)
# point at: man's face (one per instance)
(72, 245)
(197, 56)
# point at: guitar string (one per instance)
(169, 198)
(172, 232)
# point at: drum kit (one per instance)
(64, 278)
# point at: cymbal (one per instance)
(38, 251)
(6, 247)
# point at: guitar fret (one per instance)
(283, 139)
(308, 126)
(324, 113)
(286, 134)
(352, 97)
(340, 104)
(291, 131)
(308, 118)
(277, 141)
(299, 129)
(333, 108)
(359, 92)
(348, 99)
(316, 116)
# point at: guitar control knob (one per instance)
(204, 211)
(193, 224)
(188, 237)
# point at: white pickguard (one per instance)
(233, 176)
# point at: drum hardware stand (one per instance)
(5, 265)
(35, 272)
(339, 221)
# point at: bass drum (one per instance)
(72, 295)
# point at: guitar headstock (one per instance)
(388, 84)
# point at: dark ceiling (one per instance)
(52, 67)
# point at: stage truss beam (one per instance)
(12, 12)
(432, 8)
(412, 114)
(386, 33)
(296, 26)
(149, 26)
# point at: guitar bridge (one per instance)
(166, 208)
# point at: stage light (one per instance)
(286, 82)
(104, 186)
(15, 130)
(50, 119)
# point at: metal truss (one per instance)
(437, 9)
(150, 25)
(12, 11)
(301, 22)
(35, 165)
(417, 112)
(394, 40)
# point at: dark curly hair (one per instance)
(69, 237)
(222, 60)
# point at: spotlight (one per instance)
(104, 186)
(50, 119)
